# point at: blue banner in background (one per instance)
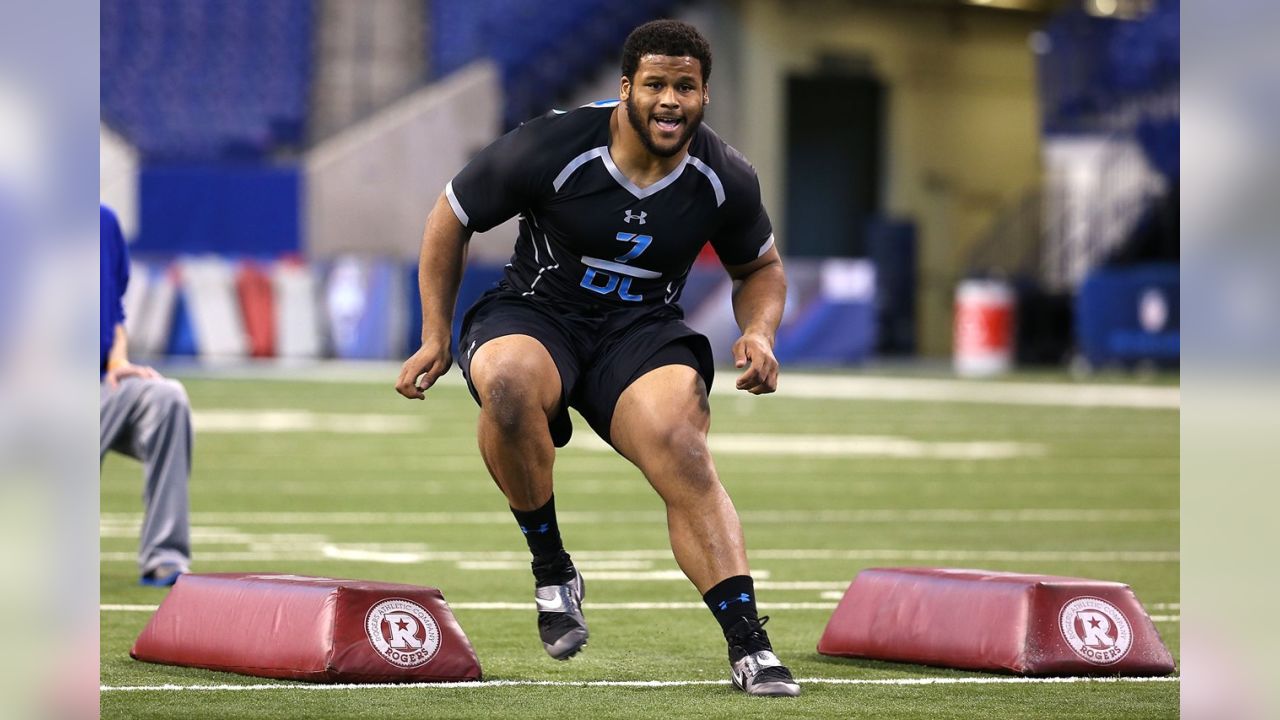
(228, 210)
(1132, 314)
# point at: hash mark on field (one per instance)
(641, 683)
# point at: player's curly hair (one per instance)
(665, 37)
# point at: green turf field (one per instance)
(346, 479)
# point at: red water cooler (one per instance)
(984, 327)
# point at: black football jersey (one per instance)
(588, 235)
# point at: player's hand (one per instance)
(422, 370)
(128, 370)
(754, 352)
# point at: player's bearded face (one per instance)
(665, 102)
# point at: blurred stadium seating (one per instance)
(543, 49)
(1117, 79)
(207, 79)
(215, 79)
(1108, 96)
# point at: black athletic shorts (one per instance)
(598, 354)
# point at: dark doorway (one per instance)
(834, 127)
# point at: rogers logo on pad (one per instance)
(402, 632)
(1096, 630)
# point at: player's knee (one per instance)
(170, 398)
(686, 443)
(683, 447)
(509, 403)
(513, 390)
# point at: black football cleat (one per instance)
(756, 670)
(560, 621)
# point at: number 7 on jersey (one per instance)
(602, 275)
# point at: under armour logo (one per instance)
(629, 217)
(742, 598)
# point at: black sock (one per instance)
(551, 564)
(731, 600)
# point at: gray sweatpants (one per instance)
(151, 420)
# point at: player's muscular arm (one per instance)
(440, 264)
(759, 295)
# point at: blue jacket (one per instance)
(114, 268)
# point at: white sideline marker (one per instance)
(639, 683)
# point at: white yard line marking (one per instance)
(589, 565)
(846, 446)
(973, 555)
(804, 585)
(624, 575)
(211, 535)
(303, 421)
(792, 385)
(363, 555)
(523, 606)
(638, 606)
(760, 517)
(532, 606)
(648, 575)
(413, 470)
(927, 556)
(822, 387)
(287, 421)
(638, 683)
(843, 387)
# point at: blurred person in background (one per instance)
(147, 417)
(615, 200)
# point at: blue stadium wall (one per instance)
(250, 210)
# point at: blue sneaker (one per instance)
(163, 576)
